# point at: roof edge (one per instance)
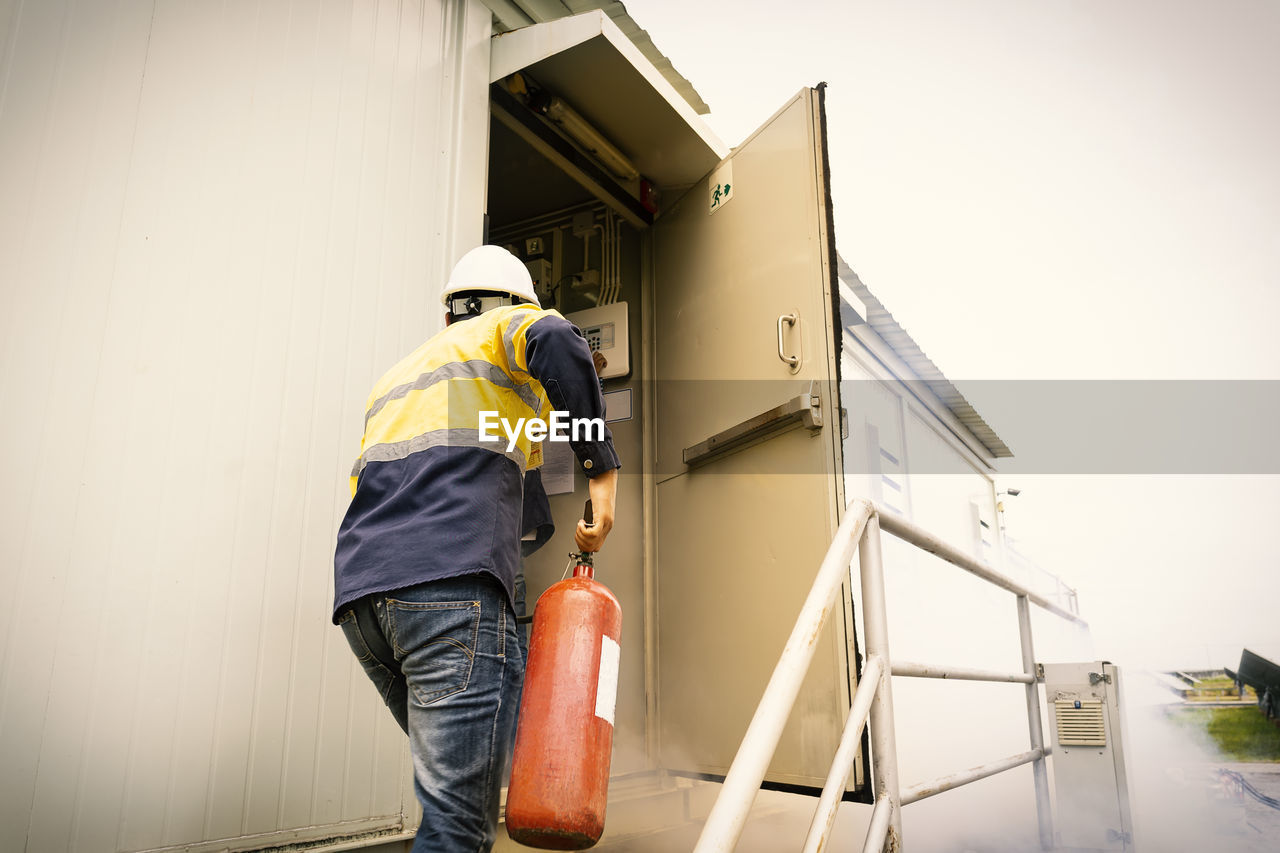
(513, 14)
(905, 348)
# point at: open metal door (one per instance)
(747, 451)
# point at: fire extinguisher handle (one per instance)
(585, 567)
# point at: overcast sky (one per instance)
(1054, 190)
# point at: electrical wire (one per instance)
(608, 243)
(604, 263)
(616, 246)
(611, 258)
(610, 287)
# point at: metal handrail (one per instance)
(824, 816)
(926, 541)
(924, 670)
(860, 532)
(954, 780)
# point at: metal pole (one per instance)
(878, 828)
(729, 814)
(959, 673)
(824, 816)
(1038, 769)
(916, 793)
(923, 539)
(884, 749)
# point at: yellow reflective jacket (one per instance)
(430, 499)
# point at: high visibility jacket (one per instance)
(430, 498)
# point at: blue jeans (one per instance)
(455, 689)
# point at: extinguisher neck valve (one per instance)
(585, 567)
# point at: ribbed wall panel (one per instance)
(218, 223)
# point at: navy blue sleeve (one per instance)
(537, 514)
(559, 358)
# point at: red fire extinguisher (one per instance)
(564, 737)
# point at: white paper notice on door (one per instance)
(557, 467)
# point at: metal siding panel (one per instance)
(56, 232)
(225, 221)
(282, 72)
(314, 643)
(196, 150)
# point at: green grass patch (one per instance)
(1217, 689)
(1242, 734)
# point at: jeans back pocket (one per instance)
(436, 644)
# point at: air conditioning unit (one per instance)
(1092, 808)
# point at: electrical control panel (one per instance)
(605, 328)
(1086, 732)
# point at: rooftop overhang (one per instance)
(594, 67)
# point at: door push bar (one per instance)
(804, 410)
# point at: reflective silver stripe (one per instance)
(509, 338)
(437, 438)
(473, 369)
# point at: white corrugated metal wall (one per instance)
(218, 223)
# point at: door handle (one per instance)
(792, 360)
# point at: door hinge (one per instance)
(1119, 835)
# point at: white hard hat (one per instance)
(491, 268)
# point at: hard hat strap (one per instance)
(472, 304)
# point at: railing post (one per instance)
(1043, 813)
(884, 750)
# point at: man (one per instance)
(429, 549)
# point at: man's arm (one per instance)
(558, 357)
(603, 490)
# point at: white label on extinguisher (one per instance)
(607, 684)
